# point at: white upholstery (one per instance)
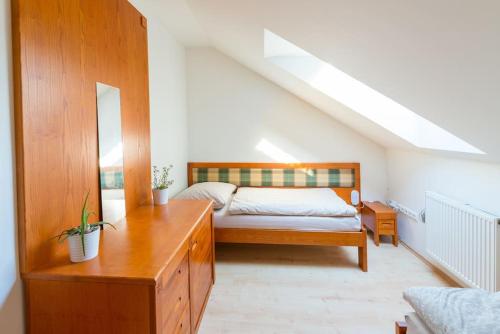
(454, 310)
(219, 192)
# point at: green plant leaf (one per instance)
(102, 224)
(84, 221)
(84, 227)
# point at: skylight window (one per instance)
(360, 98)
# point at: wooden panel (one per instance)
(287, 237)
(368, 218)
(291, 237)
(200, 267)
(61, 49)
(386, 226)
(401, 327)
(381, 209)
(150, 241)
(344, 193)
(145, 264)
(380, 219)
(184, 324)
(173, 297)
(86, 308)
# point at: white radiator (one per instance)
(464, 241)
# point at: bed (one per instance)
(343, 178)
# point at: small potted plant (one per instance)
(83, 240)
(161, 184)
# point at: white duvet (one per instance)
(320, 202)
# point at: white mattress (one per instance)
(223, 219)
(318, 202)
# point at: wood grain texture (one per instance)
(344, 193)
(287, 237)
(61, 49)
(200, 269)
(401, 327)
(142, 247)
(88, 307)
(173, 297)
(381, 219)
(380, 208)
(146, 277)
(294, 237)
(312, 289)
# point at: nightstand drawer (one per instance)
(386, 226)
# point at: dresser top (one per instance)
(142, 245)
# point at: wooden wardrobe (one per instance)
(154, 273)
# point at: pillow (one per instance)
(219, 192)
(456, 310)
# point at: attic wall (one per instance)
(11, 302)
(232, 110)
(167, 94)
(411, 173)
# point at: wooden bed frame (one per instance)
(294, 237)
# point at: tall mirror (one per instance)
(110, 153)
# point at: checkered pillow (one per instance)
(278, 177)
(112, 179)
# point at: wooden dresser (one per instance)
(153, 274)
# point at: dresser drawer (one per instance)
(173, 296)
(202, 235)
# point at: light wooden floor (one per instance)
(302, 289)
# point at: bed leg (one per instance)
(363, 253)
(401, 327)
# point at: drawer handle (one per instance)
(180, 298)
(179, 271)
(181, 324)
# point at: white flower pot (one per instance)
(91, 246)
(160, 196)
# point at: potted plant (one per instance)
(83, 240)
(161, 184)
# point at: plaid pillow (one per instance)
(112, 179)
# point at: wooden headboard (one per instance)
(343, 178)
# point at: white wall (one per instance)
(436, 58)
(411, 173)
(232, 109)
(167, 93)
(11, 302)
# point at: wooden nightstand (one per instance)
(381, 219)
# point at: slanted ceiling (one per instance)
(440, 59)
